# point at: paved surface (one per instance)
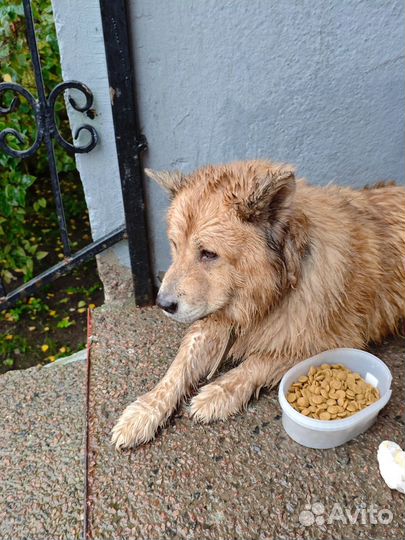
(41, 453)
(243, 479)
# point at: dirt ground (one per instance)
(52, 322)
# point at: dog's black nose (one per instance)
(167, 304)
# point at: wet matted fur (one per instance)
(286, 268)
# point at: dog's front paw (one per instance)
(213, 402)
(137, 425)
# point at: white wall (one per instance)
(80, 36)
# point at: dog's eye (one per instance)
(206, 255)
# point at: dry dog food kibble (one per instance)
(331, 392)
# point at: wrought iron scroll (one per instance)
(45, 118)
(47, 130)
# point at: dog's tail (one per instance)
(381, 184)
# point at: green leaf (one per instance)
(27, 180)
(41, 255)
(7, 276)
(5, 51)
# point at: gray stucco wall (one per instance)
(317, 83)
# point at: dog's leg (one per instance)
(203, 345)
(228, 394)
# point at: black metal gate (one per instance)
(129, 142)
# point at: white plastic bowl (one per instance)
(330, 433)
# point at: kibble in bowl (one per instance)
(331, 392)
(334, 396)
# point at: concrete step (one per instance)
(241, 479)
(42, 421)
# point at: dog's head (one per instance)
(226, 226)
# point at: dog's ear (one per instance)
(171, 181)
(269, 197)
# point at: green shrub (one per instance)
(18, 253)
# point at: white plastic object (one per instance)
(391, 460)
(330, 433)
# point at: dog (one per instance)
(268, 270)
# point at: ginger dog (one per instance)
(268, 271)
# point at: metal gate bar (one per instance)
(129, 144)
(63, 267)
(39, 81)
(129, 141)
